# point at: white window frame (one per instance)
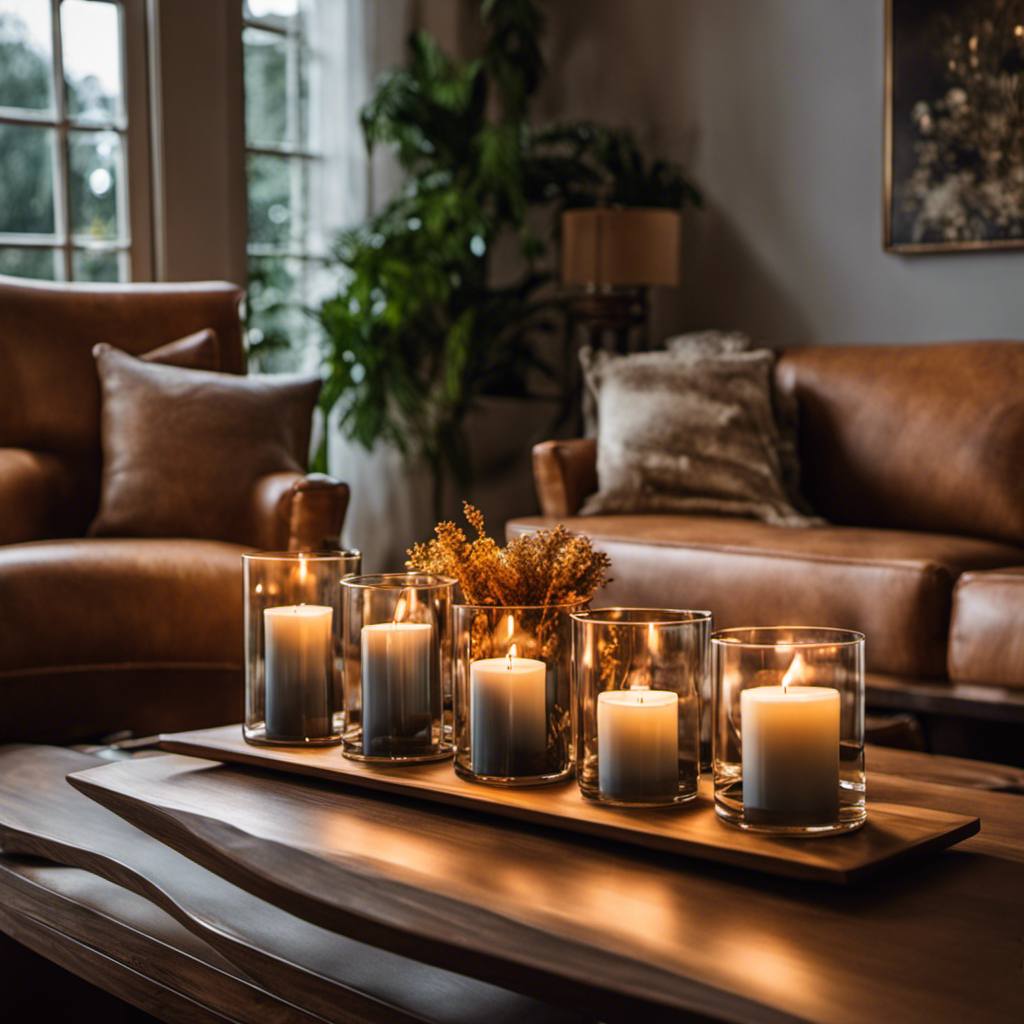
(135, 247)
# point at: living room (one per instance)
(693, 327)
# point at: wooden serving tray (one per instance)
(893, 832)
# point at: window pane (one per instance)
(282, 332)
(99, 265)
(90, 41)
(26, 179)
(41, 263)
(266, 87)
(26, 55)
(278, 189)
(277, 12)
(94, 169)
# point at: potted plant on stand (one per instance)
(422, 329)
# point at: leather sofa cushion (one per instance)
(923, 437)
(94, 602)
(183, 449)
(893, 586)
(106, 634)
(986, 642)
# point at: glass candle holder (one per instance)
(789, 729)
(398, 666)
(293, 630)
(638, 673)
(513, 722)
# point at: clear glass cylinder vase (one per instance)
(398, 667)
(789, 729)
(638, 678)
(293, 628)
(513, 720)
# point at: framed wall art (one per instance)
(954, 125)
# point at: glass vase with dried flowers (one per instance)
(513, 646)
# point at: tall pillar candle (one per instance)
(508, 711)
(790, 741)
(298, 671)
(396, 686)
(638, 745)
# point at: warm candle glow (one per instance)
(797, 673)
(511, 655)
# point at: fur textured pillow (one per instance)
(693, 434)
(183, 449)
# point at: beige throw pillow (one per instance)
(183, 449)
(695, 435)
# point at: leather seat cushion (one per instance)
(106, 634)
(986, 643)
(894, 586)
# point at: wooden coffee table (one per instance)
(590, 928)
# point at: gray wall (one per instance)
(776, 106)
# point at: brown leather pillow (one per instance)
(183, 449)
(199, 351)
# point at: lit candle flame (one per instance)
(510, 656)
(796, 673)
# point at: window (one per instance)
(64, 144)
(303, 75)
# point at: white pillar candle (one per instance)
(638, 744)
(298, 671)
(508, 716)
(790, 738)
(396, 685)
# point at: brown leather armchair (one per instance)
(109, 633)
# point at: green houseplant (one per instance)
(419, 330)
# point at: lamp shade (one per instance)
(626, 248)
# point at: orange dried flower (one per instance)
(548, 567)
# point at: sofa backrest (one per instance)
(927, 437)
(49, 389)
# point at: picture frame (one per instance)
(954, 125)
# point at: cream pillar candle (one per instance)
(508, 716)
(298, 668)
(638, 745)
(790, 738)
(396, 684)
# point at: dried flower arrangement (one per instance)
(546, 568)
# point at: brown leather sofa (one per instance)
(109, 633)
(915, 456)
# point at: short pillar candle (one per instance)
(298, 671)
(508, 702)
(638, 744)
(396, 699)
(790, 754)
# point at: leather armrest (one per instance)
(299, 513)
(565, 472)
(34, 486)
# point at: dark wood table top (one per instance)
(122, 902)
(608, 927)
